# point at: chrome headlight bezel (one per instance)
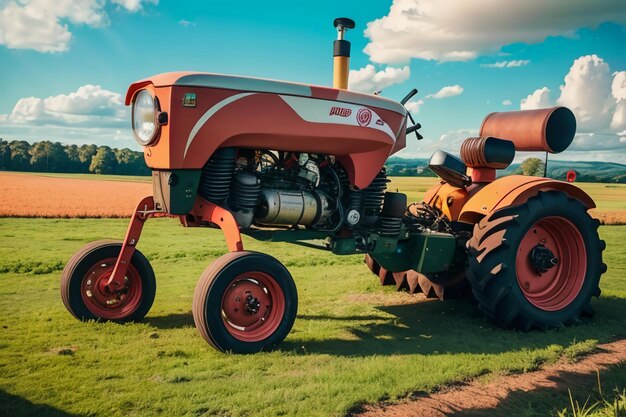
(150, 113)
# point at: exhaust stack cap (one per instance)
(343, 23)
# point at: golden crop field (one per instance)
(79, 195)
(32, 195)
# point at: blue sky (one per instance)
(66, 64)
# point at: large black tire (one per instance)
(95, 261)
(499, 262)
(245, 302)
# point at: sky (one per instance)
(65, 65)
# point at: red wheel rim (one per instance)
(110, 305)
(556, 288)
(253, 306)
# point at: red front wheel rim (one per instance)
(107, 304)
(253, 306)
(558, 286)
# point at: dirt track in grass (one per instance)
(31, 195)
(478, 398)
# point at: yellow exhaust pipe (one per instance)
(341, 53)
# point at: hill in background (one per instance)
(585, 171)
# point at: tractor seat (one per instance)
(449, 168)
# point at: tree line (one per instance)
(47, 156)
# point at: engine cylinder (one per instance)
(282, 207)
(243, 197)
(373, 197)
(217, 175)
(390, 226)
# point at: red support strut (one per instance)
(144, 210)
(203, 211)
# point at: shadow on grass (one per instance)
(455, 326)
(15, 406)
(550, 400)
(171, 321)
(434, 327)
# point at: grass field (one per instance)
(353, 341)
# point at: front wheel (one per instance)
(84, 291)
(245, 302)
(536, 264)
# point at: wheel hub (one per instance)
(246, 304)
(97, 289)
(551, 263)
(252, 304)
(106, 301)
(542, 258)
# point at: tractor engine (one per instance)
(274, 189)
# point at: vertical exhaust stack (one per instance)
(341, 53)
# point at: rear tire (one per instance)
(508, 280)
(245, 302)
(85, 297)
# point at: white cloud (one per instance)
(120, 138)
(89, 105)
(591, 142)
(368, 80)
(448, 91)
(414, 106)
(507, 103)
(186, 23)
(598, 99)
(133, 5)
(90, 114)
(587, 92)
(618, 86)
(460, 30)
(42, 25)
(507, 64)
(29, 27)
(618, 89)
(537, 100)
(451, 141)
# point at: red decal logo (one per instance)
(379, 122)
(340, 111)
(364, 117)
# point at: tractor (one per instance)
(286, 162)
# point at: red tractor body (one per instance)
(210, 111)
(304, 164)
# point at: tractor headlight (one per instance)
(144, 118)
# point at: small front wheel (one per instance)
(245, 302)
(84, 291)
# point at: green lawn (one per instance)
(353, 341)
